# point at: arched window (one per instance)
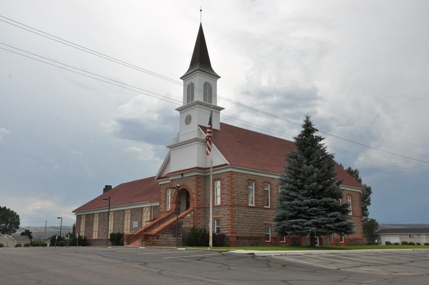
(207, 92)
(190, 93)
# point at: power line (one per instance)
(84, 49)
(93, 52)
(170, 100)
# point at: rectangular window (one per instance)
(146, 216)
(282, 238)
(266, 195)
(267, 233)
(411, 236)
(111, 217)
(349, 200)
(342, 238)
(251, 189)
(95, 226)
(217, 192)
(167, 202)
(82, 225)
(154, 212)
(127, 221)
(217, 226)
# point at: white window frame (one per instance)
(267, 233)
(82, 225)
(190, 93)
(95, 225)
(282, 238)
(207, 93)
(342, 238)
(145, 216)
(168, 200)
(349, 200)
(217, 192)
(251, 193)
(111, 219)
(267, 192)
(127, 221)
(217, 226)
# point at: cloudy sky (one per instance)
(88, 91)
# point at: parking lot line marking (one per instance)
(188, 256)
(361, 260)
(306, 262)
(160, 253)
(331, 259)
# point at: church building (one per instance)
(245, 167)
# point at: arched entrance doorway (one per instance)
(184, 200)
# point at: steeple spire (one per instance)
(200, 58)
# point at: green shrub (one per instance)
(388, 243)
(36, 242)
(54, 239)
(61, 243)
(426, 243)
(396, 243)
(26, 245)
(44, 244)
(82, 241)
(18, 245)
(418, 243)
(219, 239)
(1, 245)
(404, 242)
(117, 238)
(411, 243)
(197, 237)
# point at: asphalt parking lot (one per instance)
(90, 265)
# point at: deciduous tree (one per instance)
(9, 221)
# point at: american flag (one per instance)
(209, 136)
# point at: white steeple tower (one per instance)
(199, 92)
(188, 150)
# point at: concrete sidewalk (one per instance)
(317, 252)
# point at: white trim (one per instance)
(217, 221)
(269, 195)
(218, 189)
(267, 233)
(253, 193)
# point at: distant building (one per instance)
(12, 241)
(21, 239)
(246, 168)
(7, 240)
(408, 234)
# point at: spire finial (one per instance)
(201, 14)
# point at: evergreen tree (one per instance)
(309, 191)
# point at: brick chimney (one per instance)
(107, 188)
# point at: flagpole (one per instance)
(209, 135)
(211, 204)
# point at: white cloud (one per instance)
(3, 133)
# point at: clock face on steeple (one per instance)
(188, 119)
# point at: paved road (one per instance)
(171, 266)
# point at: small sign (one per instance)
(135, 224)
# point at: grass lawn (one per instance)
(282, 248)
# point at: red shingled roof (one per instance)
(138, 191)
(253, 150)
